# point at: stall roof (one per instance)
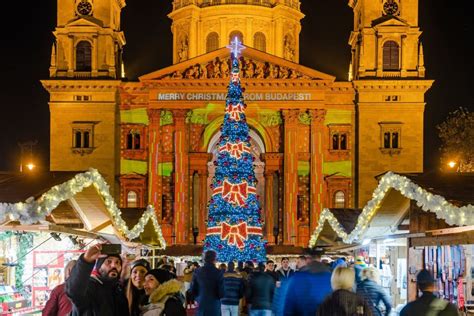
(73, 200)
(455, 187)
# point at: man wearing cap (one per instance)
(93, 285)
(164, 294)
(428, 303)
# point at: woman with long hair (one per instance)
(343, 301)
(373, 293)
(134, 286)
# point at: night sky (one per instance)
(447, 37)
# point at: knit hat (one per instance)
(161, 275)
(141, 263)
(360, 260)
(424, 277)
(100, 261)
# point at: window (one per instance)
(391, 56)
(237, 34)
(260, 42)
(83, 56)
(132, 199)
(390, 137)
(339, 141)
(133, 139)
(339, 199)
(212, 42)
(83, 137)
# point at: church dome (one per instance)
(202, 26)
(177, 4)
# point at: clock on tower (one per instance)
(84, 7)
(391, 7)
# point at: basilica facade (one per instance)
(317, 142)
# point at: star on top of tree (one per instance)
(236, 47)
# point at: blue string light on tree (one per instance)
(234, 222)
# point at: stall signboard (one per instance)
(48, 272)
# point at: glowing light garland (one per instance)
(33, 211)
(428, 202)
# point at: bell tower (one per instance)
(387, 70)
(83, 87)
(385, 39)
(88, 39)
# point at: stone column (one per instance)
(290, 170)
(155, 184)
(268, 211)
(181, 176)
(317, 183)
(203, 175)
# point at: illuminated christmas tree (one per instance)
(234, 227)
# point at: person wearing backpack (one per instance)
(428, 304)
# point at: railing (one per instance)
(391, 74)
(177, 4)
(82, 74)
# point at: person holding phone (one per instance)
(93, 285)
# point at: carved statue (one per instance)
(250, 69)
(183, 52)
(217, 68)
(224, 68)
(203, 74)
(210, 69)
(177, 75)
(289, 52)
(260, 70)
(197, 71)
(284, 73)
(189, 74)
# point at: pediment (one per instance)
(85, 21)
(255, 64)
(389, 21)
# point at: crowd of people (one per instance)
(98, 284)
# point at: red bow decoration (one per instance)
(237, 234)
(235, 150)
(235, 193)
(235, 111)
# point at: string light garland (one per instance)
(428, 202)
(33, 211)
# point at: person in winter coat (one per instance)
(373, 293)
(59, 303)
(164, 294)
(270, 270)
(98, 292)
(233, 291)
(428, 303)
(307, 288)
(260, 292)
(207, 286)
(134, 290)
(359, 265)
(285, 271)
(343, 302)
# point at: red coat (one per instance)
(58, 303)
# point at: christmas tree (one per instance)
(234, 227)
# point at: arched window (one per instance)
(259, 41)
(391, 55)
(78, 139)
(133, 139)
(132, 199)
(339, 199)
(83, 56)
(212, 42)
(237, 34)
(86, 140)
